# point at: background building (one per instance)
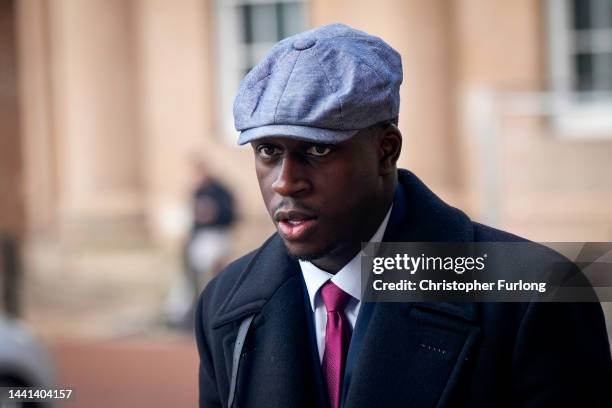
(506, 113)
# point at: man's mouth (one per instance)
(294, 225)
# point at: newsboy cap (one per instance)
(322, 85)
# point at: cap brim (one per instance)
(305, 133)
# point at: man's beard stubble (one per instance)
(332, 249)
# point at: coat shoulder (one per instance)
(217, 290)
(484, 233)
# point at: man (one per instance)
(285, 326)
(213, 215)
(207, 246)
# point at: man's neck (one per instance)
(332, 263)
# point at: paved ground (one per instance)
(140, 372)
(100, 315)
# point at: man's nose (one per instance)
(291, 178)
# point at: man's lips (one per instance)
(293, 224)
(295, 230)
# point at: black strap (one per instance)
(240, 338)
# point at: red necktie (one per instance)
(337, 339)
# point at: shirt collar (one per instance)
(348, 278)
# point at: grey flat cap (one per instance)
(322, 85)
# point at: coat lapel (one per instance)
(410, 354)
(277, 367)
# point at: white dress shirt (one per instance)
(348, 279)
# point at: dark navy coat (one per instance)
(401, 354)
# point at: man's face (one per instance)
(319, 196)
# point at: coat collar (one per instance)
(418, 216)
(421, 216)
(268, 270)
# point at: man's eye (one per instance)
(267, 151)
(319, 150)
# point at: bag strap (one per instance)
(240, 338)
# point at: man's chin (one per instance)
(308, 254)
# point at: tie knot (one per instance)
(334, 298)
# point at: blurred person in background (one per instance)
(207, 246)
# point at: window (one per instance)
(592, 52)
(246, 30)
(580, 41)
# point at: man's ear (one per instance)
(389, 147)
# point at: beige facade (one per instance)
(115, 96)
